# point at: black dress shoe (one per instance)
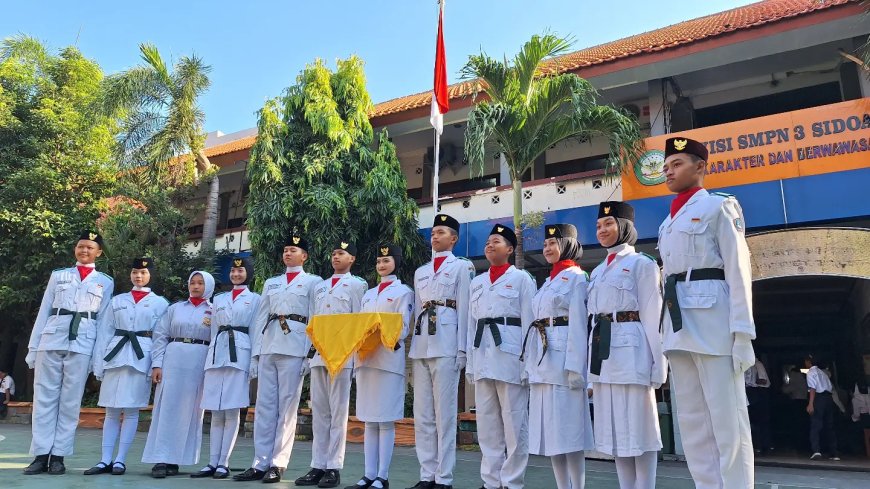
(100, 468)
(368, 483)
(221, 472)
(56, 466)
(206, 471)
(273, 475)
(330, 479)
(38, 466)
(384, 482)
(251, 474)
(171, 469)
(423, 485)
(442, 486)
(118, 468)
(312, 478)
(158, 471)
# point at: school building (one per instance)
(776, 92)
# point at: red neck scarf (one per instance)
(559, 266)
(382, 286)
(610, 258)
(291, 276)
(138, 295)
(236, 293)
(335, 280)
(196, 301)
(84, 271)
(496, 271)
(681, 199)
(438, 261)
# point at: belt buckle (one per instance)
(187, 340)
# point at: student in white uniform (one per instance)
(437, 353)
(821, 410)
(60, 350)
(226, 383)
(554, 352)
(280, 358)
(7, 390)
(330, 397)
(626, 359)
(708, 325)
(122, 361)
(758, 394)
(380, 377)
(178, 354)
(499, 316)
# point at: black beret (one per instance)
(505, 232)
(560, 231)
(144, 262)
(685, 145)
(92, 236)
(445, 220)
(393, 251)
(615, 208)
(247, 263)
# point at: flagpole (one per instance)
(437, 130)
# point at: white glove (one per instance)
(575, 380)
(252, 372)
(460, 361)
(98, 375)
(31, 359)
(306, 367)
(742, 354)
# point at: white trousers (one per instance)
(278, 391)
(436, 390)
(503, 432)
(330, 400)
(58, 385)
(714, 421)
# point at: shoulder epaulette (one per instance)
(105, 275)
(650, 257)
(723, 194)
(360, 279)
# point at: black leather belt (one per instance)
(231, 332)
(672, 304)
(282, 320)
(430, 309)
(493, 328)
(133, 338)
(190, 341)
(600, 348)
(77, 318)
(541, 326)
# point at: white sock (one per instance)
(216, 435)
(370, 448)
(626, 472)
(128, 433)
(577, 469)
(386, 440)
(645, 470)
(231, 431)
(560, 471)
(111, 429)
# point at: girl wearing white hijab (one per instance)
(178, 357)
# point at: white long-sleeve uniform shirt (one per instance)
(708, 232)
(630, 283)
(451, 281)
(282, 298)
(128, 315)
(233, 312)
(342, 298)
(510, 295)
(66, 290)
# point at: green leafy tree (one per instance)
(162, 125)
(317, 168)
(529, 107)
(55, 167)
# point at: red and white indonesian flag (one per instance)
(440, 99)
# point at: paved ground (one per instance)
(15, 441)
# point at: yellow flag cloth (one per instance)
(338, 336)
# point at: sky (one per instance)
(256, 48)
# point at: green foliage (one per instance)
(317, 167)
(55, 167)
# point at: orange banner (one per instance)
(824, 139)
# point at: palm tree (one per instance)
(530, 107)
(162, 125)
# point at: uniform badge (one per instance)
(236, 263)
(385, 251)
(296, 239)
(206, 321)
(344, 245)
(738, 224)
(696, 220)
(607, 210)
(443, 218)
(92, 236)
(500, 229)
(680, 144)
(552, 231)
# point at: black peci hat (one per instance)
(297, 241)
(92, 236)
(560, 231)
(617, 209)
(144, 262)
(505, 232)
(347, 246)
(685, 145)
(445, 220)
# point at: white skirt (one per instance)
(125, 387)
(559, 420)
(380, 395)
(175, 435)
(225, 388)
(626, 419)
